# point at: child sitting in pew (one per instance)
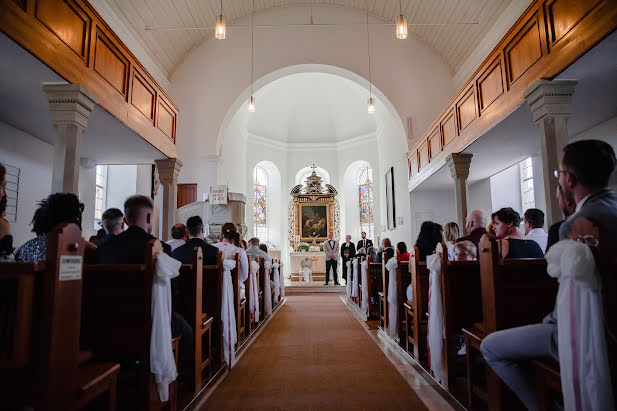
(465, 251)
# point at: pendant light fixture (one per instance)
(371, 101)
(220, 28)
(251, 98)
(401, 23)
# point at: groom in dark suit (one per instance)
(363, 245)
(348, 251)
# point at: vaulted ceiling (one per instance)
(467, 22)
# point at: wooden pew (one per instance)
(359, 299)
(504, 283)
(117, 321)
(41, 366)
(374, 286)
(383, 295)
(419, 279)
(261, 278)
(403, 279)
(461, 293)
(239, 304)
(249, 321)
(212, 292)
(191, 305)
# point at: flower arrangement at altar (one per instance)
(303, 246)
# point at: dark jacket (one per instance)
(351, 250)
(127, 247)
(474, 236)
(369, 243)
(184, 253)
(104, 239)
(600, 207)
(553, 234)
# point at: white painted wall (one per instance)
(121, 184)
(479, 195)
(506, 189)
(437, 206)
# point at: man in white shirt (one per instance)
(534, 221)
(179, 236)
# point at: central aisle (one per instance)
(314, 354)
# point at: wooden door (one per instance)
(187, 194)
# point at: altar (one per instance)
(318, 259)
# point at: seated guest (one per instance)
(113, 224)
(534, 221)
(512, 243)
(93, 239)
(178, 236)
(450, 234)
(254, 250)
(6, 239)
(195, 231)
(243, 244)
(475, 223)
(465, 251)
(386, 245)
(56, 209)
(402, 249)
(128, 246)
(430, 235)
(584, 172)
(230, 246)
(371, 253)
(567, 206)
(263, 248)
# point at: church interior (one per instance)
(300, 204)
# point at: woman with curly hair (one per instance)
(230, 245)
(56, 209)
(511, 241)
(430, 235)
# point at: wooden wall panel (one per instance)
(490, 85)
(466, 109)
(423, 154)
(448, 128)
(413, 164)
(166, 120)
(524, 50)
(562, 15)
(143, 96)
(23, 4)
(434, 143)
(110, 63)
(67, 20)
(187, 194)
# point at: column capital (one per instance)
(69, 103)
(459, 165)
(550, 98)
(168, 169)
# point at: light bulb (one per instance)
(251, 104)
(219, 31)
(371, 106)
(401, 27)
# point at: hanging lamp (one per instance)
(251, 98)
(371, 101)
(401, 23)
(220, 28)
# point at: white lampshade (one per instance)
(251, 104)
(219, 31)
(401, 27)
(371, 106)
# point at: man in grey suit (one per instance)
(584, 173)
(330, 247)
(254, 251)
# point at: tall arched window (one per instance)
(365, 196)
(260, 201)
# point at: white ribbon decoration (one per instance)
(392, 299)
(348, 283)
(228, 315)
(364, 270)
(354, 282)
(277, 280)
(436, 329)
(253, 290)
(282, 280)
(267, 289)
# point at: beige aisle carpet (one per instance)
(314, 355)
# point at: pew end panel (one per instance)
(420, 283)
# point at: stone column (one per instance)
(168, 175)
(551, 106)
(71, 106)
(459, 168)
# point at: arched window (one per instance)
(260, 201)
(365, 196)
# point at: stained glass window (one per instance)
(260, 204)
(100, 194)
(365, 196)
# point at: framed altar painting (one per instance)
(314, 221)
(390, 208)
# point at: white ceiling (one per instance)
(311, 108)
(453, 42)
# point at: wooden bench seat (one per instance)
(420, 282)
(374, 286)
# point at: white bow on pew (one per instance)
(162, 361)
(253, 290)
(277, 282)
(583, 358)
(228, 314)
(364, 270)
(282, 280)
(354, 282)
(267, 289)
(348, 283)
(391, 266)
(436, 329)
